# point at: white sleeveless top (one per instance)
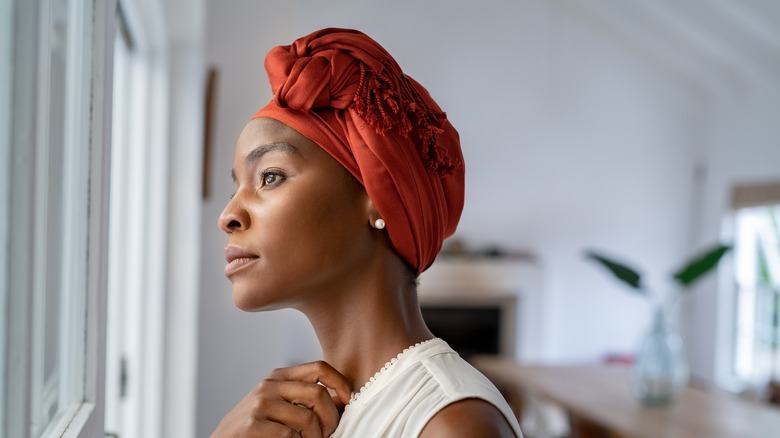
(401, 398)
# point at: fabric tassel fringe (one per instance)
(389, 101)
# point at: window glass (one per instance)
(50, 245)
(61, 257)
(757, 272)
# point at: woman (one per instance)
(347, 182)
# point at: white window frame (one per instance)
(87, 120)
(743, 195)
(138, 248)
(168, 378)
(152, 279)
(6, 57)
(749, 241)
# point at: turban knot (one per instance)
(329, 78)
(344, 91)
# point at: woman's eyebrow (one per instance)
(270, 147)
(261, 150)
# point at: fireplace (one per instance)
(484, 306)
(470, 329)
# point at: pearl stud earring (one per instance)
(379, 224)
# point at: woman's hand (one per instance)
(289, 402)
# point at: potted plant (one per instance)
(660, 369)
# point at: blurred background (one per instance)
(645, 130)
(621, 126)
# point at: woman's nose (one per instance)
(233, 218)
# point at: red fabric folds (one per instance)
(342, 90)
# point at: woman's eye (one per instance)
(271, 178)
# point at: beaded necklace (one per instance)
(383, 370)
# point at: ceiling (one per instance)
(723, 45)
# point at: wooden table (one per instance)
(601, 395)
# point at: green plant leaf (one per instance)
(700, 265)
(623, 272)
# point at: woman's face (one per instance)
(298, 223)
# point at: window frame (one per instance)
(137, 291)
(18, 190)
(6, 57)
(740, 195)
(88, 421)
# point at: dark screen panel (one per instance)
(468, 330)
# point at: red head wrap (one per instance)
(342, 90)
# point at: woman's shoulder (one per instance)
(458, 378)
(466, 400)
(469, 418)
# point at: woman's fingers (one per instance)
(273, 429)
(302, 404)
(295, 402)
(281, 409)
(297, 417)
(316, 372)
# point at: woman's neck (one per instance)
(367, 324)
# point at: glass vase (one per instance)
(660, 370)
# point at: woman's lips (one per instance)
(237, 259)
(236, 265)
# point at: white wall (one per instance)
(572, 138)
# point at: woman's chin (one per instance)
(250, 301)
(245, 301)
